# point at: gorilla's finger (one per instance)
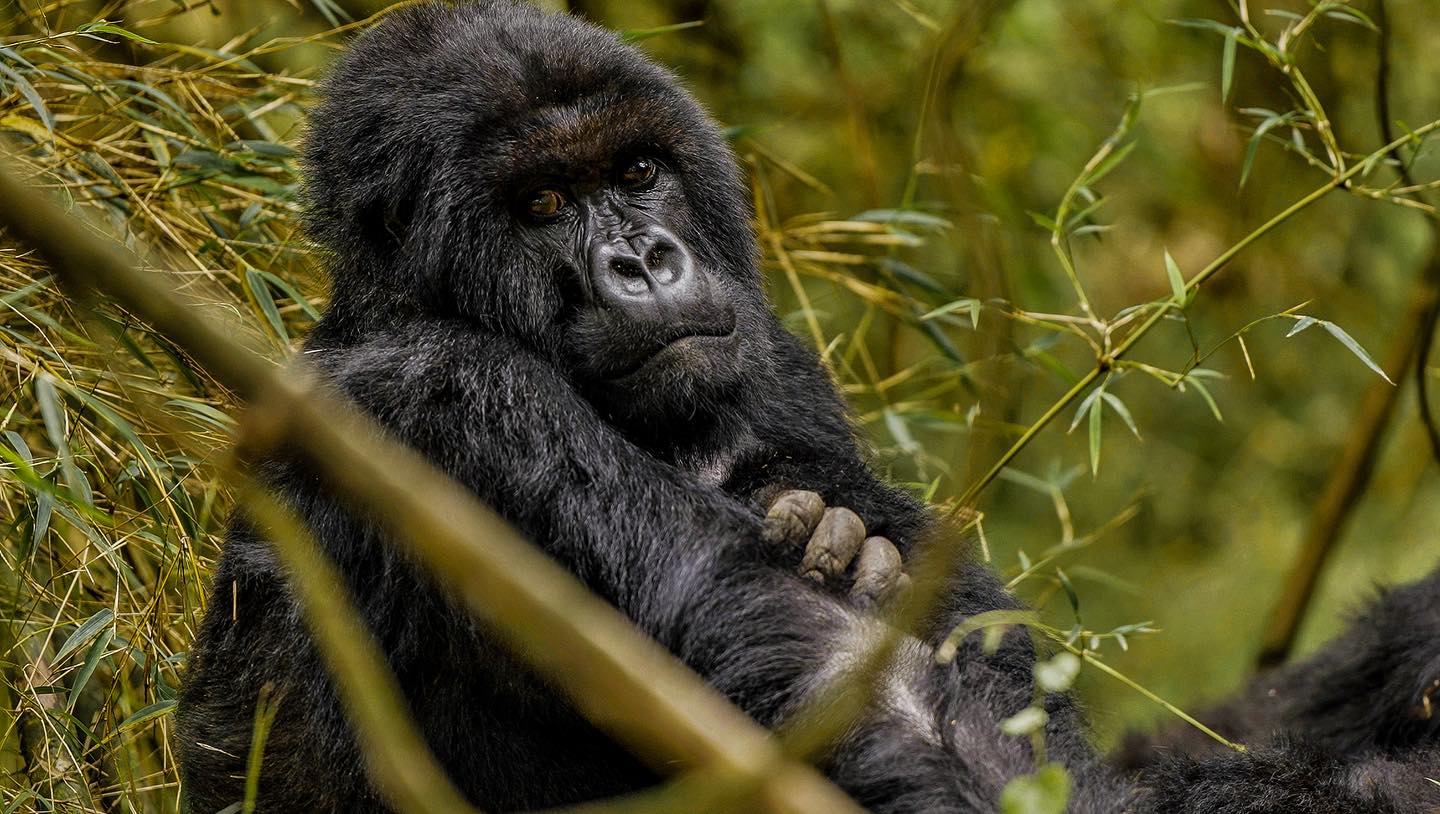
(877, 573)
(792, 518)
(833, 545)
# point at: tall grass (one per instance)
(112, 502)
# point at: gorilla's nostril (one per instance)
(627, 267)
(656, 256)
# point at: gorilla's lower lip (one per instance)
(675, 342)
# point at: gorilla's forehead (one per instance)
(586, 136)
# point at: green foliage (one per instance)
(961, 206)
(1047, 791)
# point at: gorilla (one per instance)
(544, 279)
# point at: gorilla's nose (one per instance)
(648, 275)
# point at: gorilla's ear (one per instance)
(385, 224)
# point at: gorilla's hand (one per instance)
(836, 548)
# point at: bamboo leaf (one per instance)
(150, 713)
(92, 661)
(87, 631)
(1095, 433)
(638, 34)
(1227, 64)
(32, 96)
(1301, 324)
(1253, 147)
(1124, 412)
(1058, 673)
(106, 27)
(1024, 722)
(1354, 347)
(1177, 280)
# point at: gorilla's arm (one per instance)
(507, 425)
(1374, 690)
(686, 563)
(806, 441)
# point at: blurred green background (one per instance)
(897, 150)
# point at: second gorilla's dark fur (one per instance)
(475, 332)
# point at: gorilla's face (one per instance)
(533, 176)
(644, 313)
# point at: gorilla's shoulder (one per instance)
(395, 370)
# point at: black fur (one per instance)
(476, 334)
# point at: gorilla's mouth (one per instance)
(676, 339)
(608, 347)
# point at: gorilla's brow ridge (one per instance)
(591, 132)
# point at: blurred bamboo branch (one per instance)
(399, 759)
(617, 677)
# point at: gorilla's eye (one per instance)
(640, 173)
(545, 203)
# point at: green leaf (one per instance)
(1349, 14)
(637, 34)
(294, 295)
(1111, 162)
(1058, 673)
(1205, 394)
(206, 413)
(1044, 221)
(905, 217)
(1027, 480)
(1047, 791)
(1024, 722)
(1227, 64)
(150, 713)
(1354, 347)
(106, 27)
(260, 291)
(1345, 339)
(116, 422)
(945, 653)
(87, 631)
(900, 432)
(52, 412)
(1301, 324)
(1254, 146)
(1205, 25)
(333, 13)
(1084, 409)
(968, 304)
(32, 96)
(1095, 432)
(92, 661)
(1124, 412)
(1177, 280)
(912, 275)
(1070, 594)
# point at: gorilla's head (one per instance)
(535, 176)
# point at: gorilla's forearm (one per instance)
(1374, 690)
(507, 425)
(806, 441)
(683, 560)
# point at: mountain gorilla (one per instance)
(545, 280)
